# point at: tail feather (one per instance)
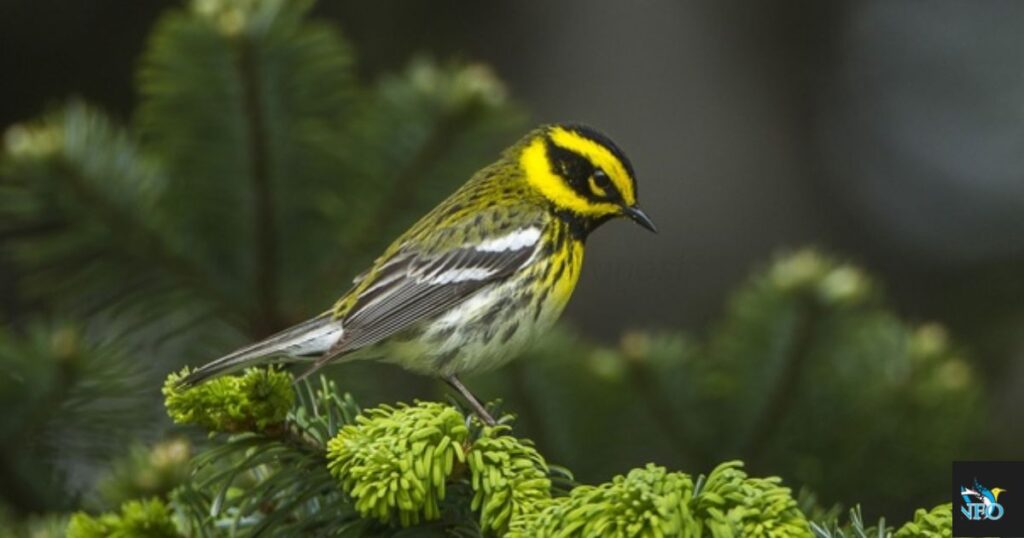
(310, 338)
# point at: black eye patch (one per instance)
(573, 167)
(581, 175)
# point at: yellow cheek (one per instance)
(595, 188)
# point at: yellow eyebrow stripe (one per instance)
(537, 167)
(600, 156)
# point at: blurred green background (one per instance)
(887, 135)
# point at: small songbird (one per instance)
(471, 283)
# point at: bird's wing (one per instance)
(420, 280)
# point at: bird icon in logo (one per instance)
(987, 498)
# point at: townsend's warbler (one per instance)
(474, 280)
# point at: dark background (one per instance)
(889, 132)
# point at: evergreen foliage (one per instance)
(136, 519)
(510, 479)
(934, 523)
(145, 472)
(929, 523)
(396, 461)
(256, 177)
(252, 402)
(806, 344)
(431, 467)
(653, 502)
(71, 403)
(646, 502)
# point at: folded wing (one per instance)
(413, 285)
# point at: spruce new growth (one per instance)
(325, 467)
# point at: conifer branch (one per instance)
(527, 408)
(421, 467)
(401, 191)
(16, 491)
(266, 319)
(659, 407)
(784, 392)
(150, 248)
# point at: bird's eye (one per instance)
(600, 184)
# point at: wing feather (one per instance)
(419, 285)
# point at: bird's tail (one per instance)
(311, 338)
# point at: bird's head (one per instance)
(582, 174)
(996, 492)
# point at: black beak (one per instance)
(640, 217)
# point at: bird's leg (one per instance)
(478, 408)
(320, 362)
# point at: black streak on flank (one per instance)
(538, 310)
(560, 272)
(543, 296)
(510, 331)
(522, 303)
(447, 357)
(445, 333)
(491, 315)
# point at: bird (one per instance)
(983, 496)
(479, 277)
(987, 496)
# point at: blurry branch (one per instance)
(527, 410)
(68, 399)
(400, 193)
(150, 247)
(783, 394)
(149, 518)
(243, 134)
(267, 316)
(286, 167)
(658, 405)
(78, 157)
(450, 108)
(144, 472)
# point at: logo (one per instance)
(987, 498)
(981, 502)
